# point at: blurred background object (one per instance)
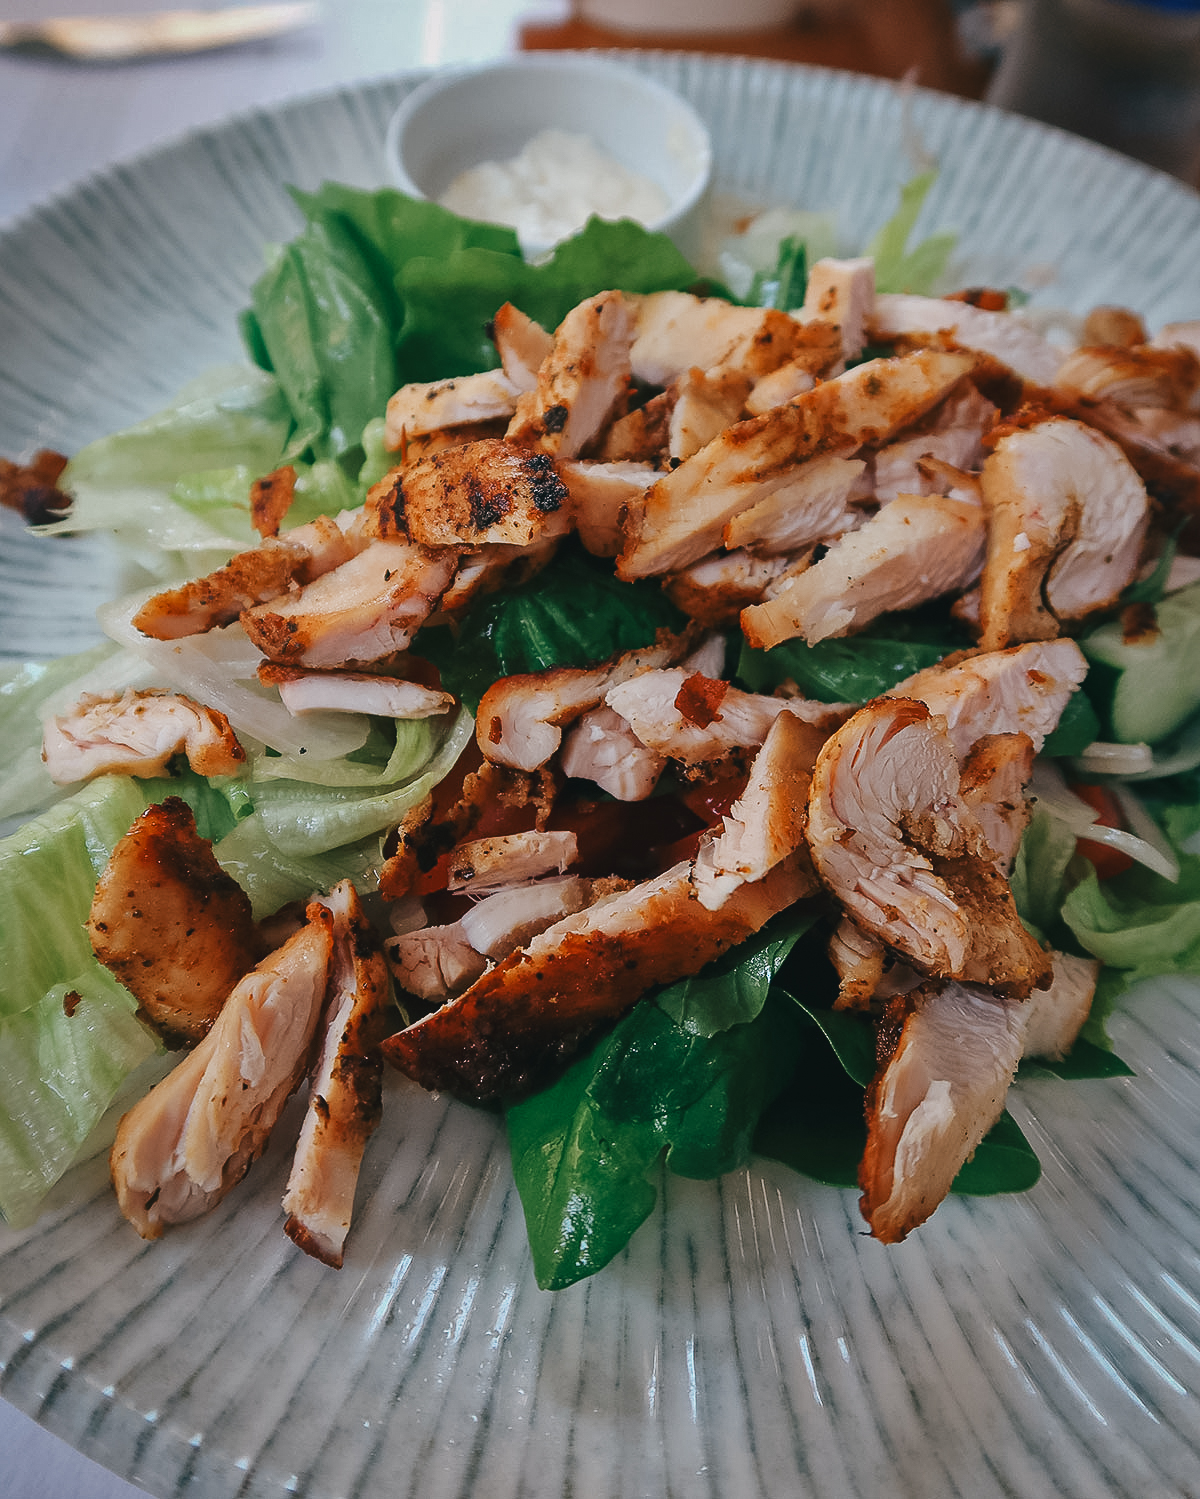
(887, 38)
(1125, 73)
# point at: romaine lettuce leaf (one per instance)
(573, 613)
(68, 1035)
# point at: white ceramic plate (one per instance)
(751, 1341)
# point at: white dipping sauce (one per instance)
(552, 188)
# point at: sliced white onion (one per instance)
(1050, 792)
(1105, 758)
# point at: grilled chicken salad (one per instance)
(694, 724)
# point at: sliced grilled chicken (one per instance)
(842, 292)
(522, 345)
(766, 823)
(1178, 336)
(819, 504)
(508, 919)
(420, 408)
(601, 747)
(1021, 690)
(784, 384)
(486, 568)
(703, 405)
(1067, 514)
(353, 692)
(677, 331)
(1113, 325)
(683, 516)
(345, 1101)
(1144, 375)
(171, 924)
(484, 864)
(598, 494)
(714, 591)
(953, 1051)
(253, 577)
(858, 958)
(138, 734)
(1178, 432)
(192, 1138)
(995, 774)
(1055, 1016)
(368, 608)
(435, 962)
(519, 721)
(1005, 337)
(690, 717)
(582, 379)
(641, 435)
(894, 841)
(271, 498)
(917, 548)
(485, 492)
(953, 434)
(533, 1007)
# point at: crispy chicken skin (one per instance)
(138, 734)
(180, 1149)
(171, 924)
(345, 1101)
(501, 1036)
(893, 840)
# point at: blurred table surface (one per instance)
(60, 121)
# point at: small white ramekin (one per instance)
(461, 118)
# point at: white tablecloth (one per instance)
(60, 121)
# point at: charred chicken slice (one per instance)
(894, 841)
(171, 924)
(950, 1052)
(345, 1101)
(180, 1149)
